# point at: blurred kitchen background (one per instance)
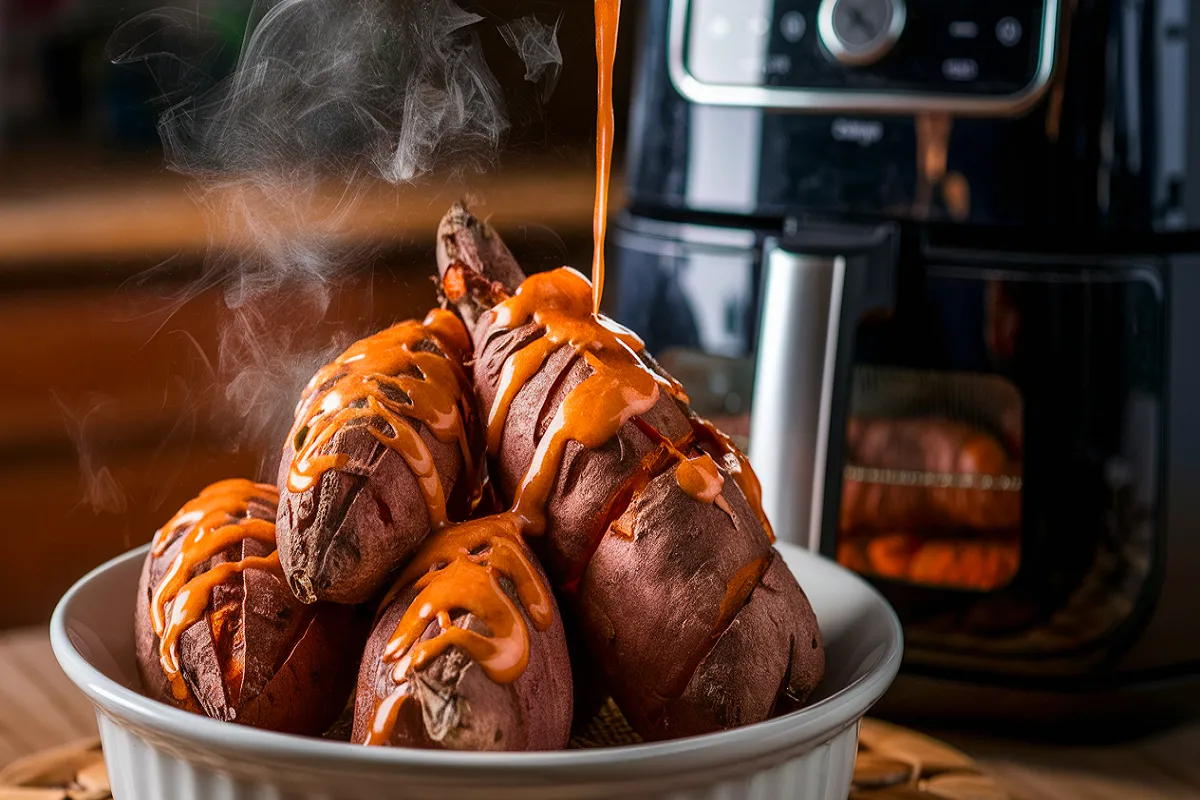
(108, 412)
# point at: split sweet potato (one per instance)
(451, 703)
(695, 619)
(256, 656)
(343, 536)
(959, 561)
(927, 446)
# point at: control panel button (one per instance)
(1008, 31)
(860, 32)
(960, 69)
(964, 29)
(793, 26)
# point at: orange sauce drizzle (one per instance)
(219, 518)
(718, 443)
(620, 387)
(385, 377)
(608, 18)
(459, 568)
(699, 477)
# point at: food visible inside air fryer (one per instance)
(479, 502)
(932, 501)
(927, 473)
(979, 563)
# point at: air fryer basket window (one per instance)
(931, 487)
(1014, 414)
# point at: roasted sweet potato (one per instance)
(928, 446)
(254, 654)
(491, 594)
(382, 451)
(697, 623)
(958, 561)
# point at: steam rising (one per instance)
(98, 487)
(537, 45)
(327, 99)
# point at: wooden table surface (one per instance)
(40, 708)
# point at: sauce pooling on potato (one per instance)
(219, 518)
(718, 444)
(411, 371)
(460, 569)
(621, 388)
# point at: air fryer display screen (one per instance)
(970, 47)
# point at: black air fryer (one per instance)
(938, 264)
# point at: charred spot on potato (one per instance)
(302, 588)
(557, 393)
(428, 346)
(442, 709)
(393, 393)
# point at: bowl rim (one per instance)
(822, 719)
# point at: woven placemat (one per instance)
(607, 729)
(893, 764)
(896, 763)
(72, 772)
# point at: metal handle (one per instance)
(794, 388)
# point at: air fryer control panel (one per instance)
(987, 57)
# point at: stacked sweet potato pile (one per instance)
(385, 555)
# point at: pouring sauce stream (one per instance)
(608, 17)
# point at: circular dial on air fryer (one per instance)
(859, 32)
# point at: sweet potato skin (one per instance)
(927, 445)
(341, 539)
(773, 641)
(669, 574)
(587, 479)
(668, 590)
(455, 705)
(290, 670)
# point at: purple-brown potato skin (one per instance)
(666, 579)
(455, 705)
(340, 540)
(296, 662)
(687, 610)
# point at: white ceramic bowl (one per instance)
(156, 752)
